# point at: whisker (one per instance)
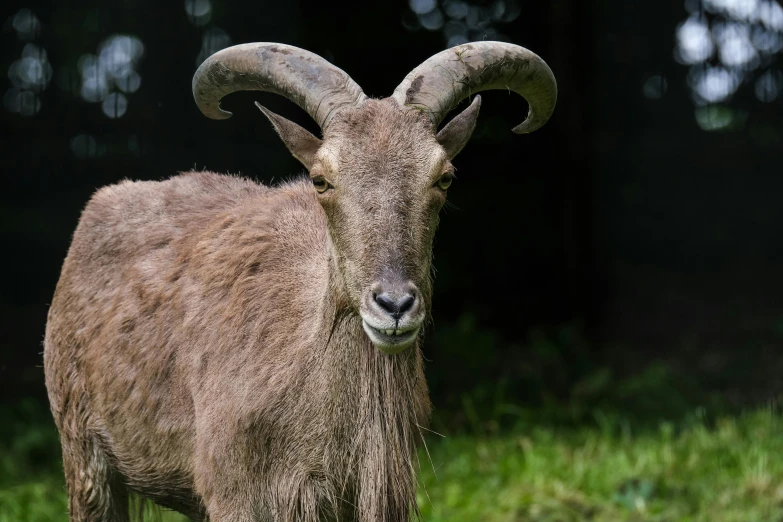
(427, 450)
(432, 431)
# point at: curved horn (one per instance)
(305, 78)
(441, 82)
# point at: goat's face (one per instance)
(381, 177)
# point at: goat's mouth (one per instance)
(392, 340)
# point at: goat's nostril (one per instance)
(386, 302)
(393, 305)
(406, 303)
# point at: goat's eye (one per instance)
(320, 184)
(445, 180)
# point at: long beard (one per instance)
(384, 401)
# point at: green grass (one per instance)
(730, 469)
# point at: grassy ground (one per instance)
(727, 470)
(732, 471)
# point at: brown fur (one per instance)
(204, 347)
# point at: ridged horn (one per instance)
(308, 80)
(441, 82)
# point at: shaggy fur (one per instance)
(204, 347)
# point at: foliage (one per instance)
(31, 484)
(555, 376)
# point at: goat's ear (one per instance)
(457, 132)
(300, 142)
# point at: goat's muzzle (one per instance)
(392, 313)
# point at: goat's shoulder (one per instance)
(283, 228)
(261, 261)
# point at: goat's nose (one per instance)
(395, 305)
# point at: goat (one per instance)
(242, 353)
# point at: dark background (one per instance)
(629, 253)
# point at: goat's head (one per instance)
(382, 170)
